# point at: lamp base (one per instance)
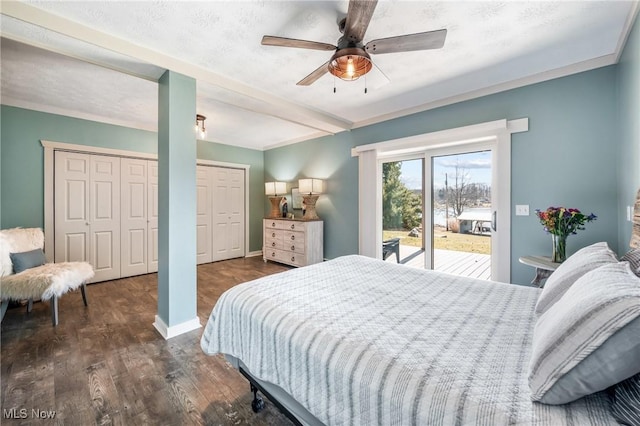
(275, 207)
(310, 205)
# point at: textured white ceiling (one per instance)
(489, 44)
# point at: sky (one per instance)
(476, 164)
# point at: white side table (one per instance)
(544, 267)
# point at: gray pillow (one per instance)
(589, 339)
(578, 264)
(633, 257)
(27, 259)
(625, 406)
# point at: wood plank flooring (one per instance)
(106, 364)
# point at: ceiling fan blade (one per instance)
(406, 43)
(358, 18)
(311, 78)
(294, 42)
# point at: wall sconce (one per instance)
(200, 129)
(273, 189)
(310, 190)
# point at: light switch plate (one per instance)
(522, 210)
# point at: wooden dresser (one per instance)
(294, 242)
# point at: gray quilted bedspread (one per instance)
(358, 341)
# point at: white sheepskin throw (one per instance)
(18, 240)
(44, 282)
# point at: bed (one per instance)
(358, 341)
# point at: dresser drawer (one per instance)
(282, 256)
(273, 243)
(292, 237)
(273, 234)
(293, 247)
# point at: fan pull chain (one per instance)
(365, 84)
(334, 84)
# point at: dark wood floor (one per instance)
(106, 364)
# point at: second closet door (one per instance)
(228, 213)
(134, 223)
(220, 217)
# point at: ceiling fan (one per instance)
(351, 59)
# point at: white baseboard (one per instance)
(176, 330)
(254, 253)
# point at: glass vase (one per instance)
(559, 252)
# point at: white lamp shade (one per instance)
(310, 186)
(275, 188)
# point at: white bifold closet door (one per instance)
(87, 212)
(139, 217)
(220, 217)
(152, 210)
(203, 215)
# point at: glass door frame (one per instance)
(370, 178)
(500, 147)
(393, 159)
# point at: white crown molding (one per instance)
(275, 106)
(579, 67)
(628, 26)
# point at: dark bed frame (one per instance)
(257, 404)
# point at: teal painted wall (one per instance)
(22, 161)
(568, 157)
(629, 113)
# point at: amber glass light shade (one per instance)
(350, 64)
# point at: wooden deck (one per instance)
(454, 262)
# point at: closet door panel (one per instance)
(133, 220)
(152, 218)
(71, 207)
(228, 213)
(236, 212)
(203, 215)
(104, 214)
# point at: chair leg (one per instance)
(29, 306)
(3, 308)
(83, 289)
(54, 310)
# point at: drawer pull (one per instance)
(273, 234)
(293, 237)
(293, 248)
(293, 258)
(293, 226)
(273, 224)
(273, 254)
(273, 244)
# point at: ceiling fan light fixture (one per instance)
(350, 64)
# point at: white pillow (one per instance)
(576, 265)
(590, 339)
